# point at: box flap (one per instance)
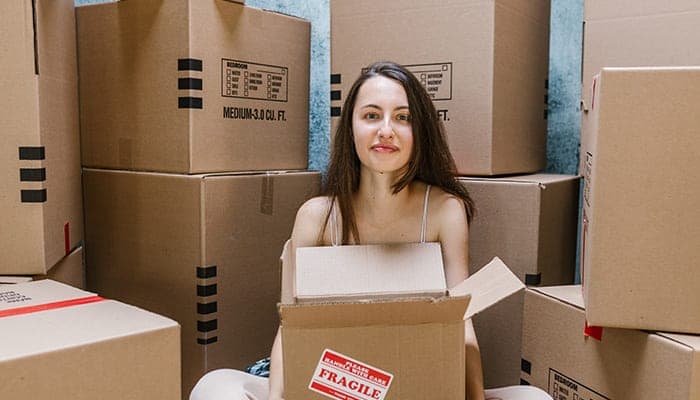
(491, 284)
(405, 311)
(569, 294)
(369, 271)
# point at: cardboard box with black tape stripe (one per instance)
(192, 86)
(484, 63)
(40, 201)
(201, 249)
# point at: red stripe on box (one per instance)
(332, 392)
(66, 237)
(596, 332)
(50, 306)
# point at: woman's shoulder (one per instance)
(446, 206)
(315, 208)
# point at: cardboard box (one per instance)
(639, 230)
(70, 270)
(484, 63)
(389, 348)
(192, 87)
(318, 269)
(624, 364)
(530, 222)
(40, 206)
(201, 249)
(631, 33)
(61, 343)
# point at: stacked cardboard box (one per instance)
(530, 222)
(194, 134)
(639, 160)
(624, 364)
(484, 63)
(59, 342)
(40, 206)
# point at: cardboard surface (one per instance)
(625, 364)
(201, 249)
(102, 348)
(484, 63)
(530, 222)
(407, 338)
(636, 34)
(192, 87)
(41, 205)
(346, 272)
(639, 227)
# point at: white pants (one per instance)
(230, 384)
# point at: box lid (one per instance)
(41, 316)
(404, 311)
(369, 272)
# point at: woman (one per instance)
(390, 180)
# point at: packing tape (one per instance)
(596, 332)
(50, 306)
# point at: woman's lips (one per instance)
(384, 148)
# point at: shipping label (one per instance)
(340, 377)
(436, 78)
(247, 80)
(561, 387)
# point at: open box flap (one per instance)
(488, 286)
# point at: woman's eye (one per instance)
(403, 117)
(372, 115)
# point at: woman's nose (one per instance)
(385, 129)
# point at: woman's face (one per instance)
(381, 125)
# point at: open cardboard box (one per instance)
(380, 346)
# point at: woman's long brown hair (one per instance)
(430, 162)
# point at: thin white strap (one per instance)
(335, 236)
(424, 224)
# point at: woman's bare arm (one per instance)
(454, 239)
(307, 225)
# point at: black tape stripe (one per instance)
(189, 64)
(335, 111)
(545, 114)
(189, 84)
(206, 308)
(335, 79)
(32, 153)
(533, 279)
(524, 382)
(207, 340)
(206, 272)
(335, 94)
(189, 102)
(32, 174)
(33, 196)
(207, 326)
(525, 366)
(206, 290)
(36, 40)
(546, 99)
